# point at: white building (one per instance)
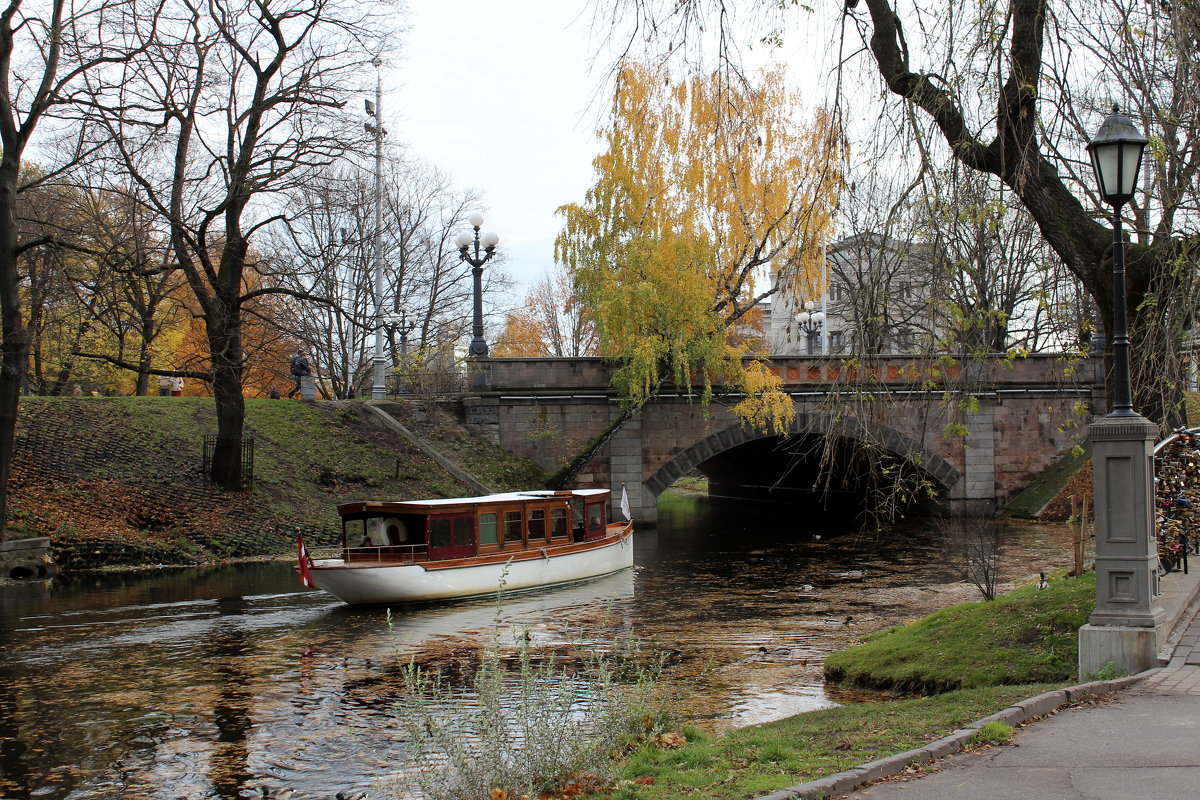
(878, 299)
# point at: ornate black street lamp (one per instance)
(810, 321)
(489, 240)
(1125, 627)
(1117, 159)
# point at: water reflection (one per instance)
(212, 683)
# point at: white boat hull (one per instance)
(359, 584)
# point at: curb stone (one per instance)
(1036, 706)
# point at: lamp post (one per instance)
(489, 240)
(379, 389)
(1123, 630)
(810, 321)
(397, 325)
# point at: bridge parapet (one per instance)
(515, 374)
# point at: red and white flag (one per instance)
(305, 563)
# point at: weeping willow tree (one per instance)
(710, 197)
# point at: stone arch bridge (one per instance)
(976, 432)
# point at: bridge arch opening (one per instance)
(817, 470)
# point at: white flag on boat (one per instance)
(625, 503)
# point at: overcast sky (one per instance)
(500, 96)
(506, 98)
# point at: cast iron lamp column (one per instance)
(379, 389)
(1123, 630)
(489, 240)
(810, 321)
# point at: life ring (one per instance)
(395, 530)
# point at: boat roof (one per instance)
(503, 497)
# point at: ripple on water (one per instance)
(161, 691)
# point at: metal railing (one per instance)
(407, 553)
(210, 444)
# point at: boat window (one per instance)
(439, 532)
(354, 531)
(464, 532)
(537, 523)
(487, 528)
(512, 526)
(558, 522)
(595, 518)
(374, 535)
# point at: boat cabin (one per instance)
(436, 530)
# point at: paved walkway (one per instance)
(1141, 741)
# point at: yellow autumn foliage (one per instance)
(709, 198)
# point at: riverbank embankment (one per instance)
(120, 482)
(833, 751)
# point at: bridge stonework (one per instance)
(1017, 416)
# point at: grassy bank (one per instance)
(763, 758)
(119, 481)
(975, 659)
(1025, 636)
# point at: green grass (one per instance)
(1025, 636)
(118, 481)
(763, 758)
(1046, 485)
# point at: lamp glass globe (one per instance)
(475, 219)
(464, 239)
(490, 239)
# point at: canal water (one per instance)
(214, 683)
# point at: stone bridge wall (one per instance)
(1018, 416)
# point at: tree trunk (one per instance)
(1014, 155)
(14, 345)
(224, 326)
(143, 376)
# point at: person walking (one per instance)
(177, 386)
(164, 385)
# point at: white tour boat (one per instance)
(420, 551)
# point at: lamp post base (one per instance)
(1131, 650)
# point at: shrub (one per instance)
(524, 733)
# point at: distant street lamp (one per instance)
(489, 240)
(379, 389)
(810, 321)
(1124, 628)
(399, 323)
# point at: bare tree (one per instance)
(972, 548)
(327, 250)
(230, 103)
(1014, 89)
(45, 51)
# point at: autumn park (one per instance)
(835, 423)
